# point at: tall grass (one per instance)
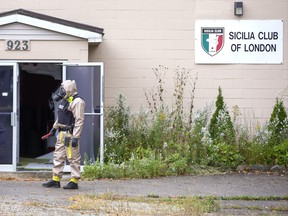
(166, 140)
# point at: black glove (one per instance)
(75, 142)
(53, 131)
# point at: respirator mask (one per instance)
(60, 94)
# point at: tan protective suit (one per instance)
(62, 152)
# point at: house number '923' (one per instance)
(17, 45)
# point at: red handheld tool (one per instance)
(46, 136)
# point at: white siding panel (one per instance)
(22, 31)
(141, 35)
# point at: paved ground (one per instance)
(26, 190)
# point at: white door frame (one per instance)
(14, 120)
(15, 117)
(101, 114)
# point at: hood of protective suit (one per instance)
(70, 88)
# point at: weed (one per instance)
(153, 196)
(152, 205)
(254, 198)
(166, 140)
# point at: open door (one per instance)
(8, 116)
(89, 80)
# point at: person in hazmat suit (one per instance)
(68, 126)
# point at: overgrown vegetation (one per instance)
(175, 140)
(152, 205)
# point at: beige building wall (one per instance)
(141, 35)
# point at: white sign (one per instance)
(239, 41)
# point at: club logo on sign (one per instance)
(212, 40)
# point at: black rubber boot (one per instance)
(71, 185)
(51, 184)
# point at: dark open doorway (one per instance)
(37, 83)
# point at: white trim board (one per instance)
(92, 37)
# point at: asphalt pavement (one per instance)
(24, 188)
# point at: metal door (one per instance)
(8, 116)
(89, 80)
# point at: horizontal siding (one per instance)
(22, 31)
(141, 35)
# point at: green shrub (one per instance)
(157, 133)
(258, 151)
(199, 137)
(177, 164)
(278, 124)
(270, 138)
(224, 155)
(221, 127)
(163, 142)
(145, 167)
(117, 146)
(281, 153)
